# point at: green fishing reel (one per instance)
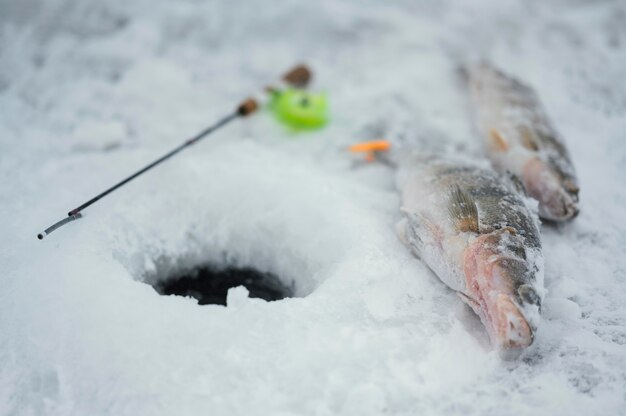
(300, 109)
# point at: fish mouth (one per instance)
(558, 197)
(559, 206)
(499, 292)
(506, 324)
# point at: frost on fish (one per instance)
(481, 239)
(521, 140)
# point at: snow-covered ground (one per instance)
(90, 91)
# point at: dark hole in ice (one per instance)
(209, 285)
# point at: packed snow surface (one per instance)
(91, 91)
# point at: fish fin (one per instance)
(516, 183)
(526, 294)
(463, 210)
(471, 302)
(497, 142)
(528, 138)
(412, 230)
(401, 230)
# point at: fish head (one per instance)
(554, 188)
(500, 282)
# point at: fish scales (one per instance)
(478, 235)
(521, 140)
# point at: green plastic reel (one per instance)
(299, 109)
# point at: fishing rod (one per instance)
(298, 77)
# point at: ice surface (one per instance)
(89, 91)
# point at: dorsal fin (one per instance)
(462, 209)
(516, 183)
(528, 139)
(498, 143)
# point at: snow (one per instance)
(90, 91)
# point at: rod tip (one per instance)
(41, 235)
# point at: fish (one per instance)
(522, 142)
(480, 236)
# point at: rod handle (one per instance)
(247, 107)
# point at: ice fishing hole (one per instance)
(209, 284)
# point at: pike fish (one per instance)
(480, 238)
(521, 141)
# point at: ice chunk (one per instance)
(237, 297)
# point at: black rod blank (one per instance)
(75, 213)
(298, 76)
(163, 158)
